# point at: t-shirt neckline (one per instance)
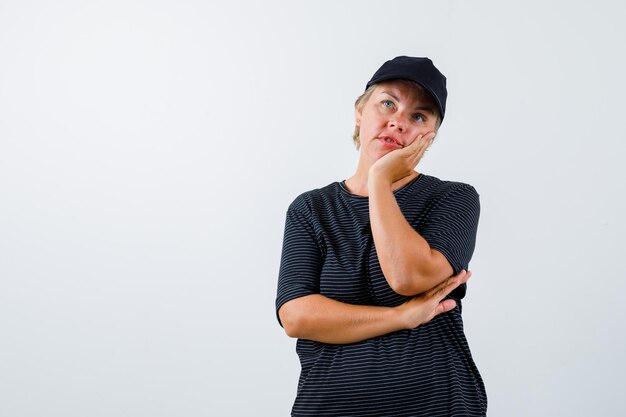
(345, 191)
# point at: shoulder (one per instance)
(443, 189)
(449, 198)
(313, 200)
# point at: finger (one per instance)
(420, 145)
(451, 284)
(459, 279)
(438, 287)
(432, 291)
(442, 290)
(445, 306)
(418, 142)
(442, 307)
(424, 139)
(414, 147)
(419, 153)
(463, 276)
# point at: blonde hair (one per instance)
(360, 102)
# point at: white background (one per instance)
(149, 151)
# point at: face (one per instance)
(393, 117)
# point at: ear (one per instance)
(358, 112)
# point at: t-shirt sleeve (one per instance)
(452, 225)
(301, 261)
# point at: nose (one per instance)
(395, 122)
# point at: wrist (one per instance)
(400, 318)
(375, 179)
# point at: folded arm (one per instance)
(322, 319)
(406, 259)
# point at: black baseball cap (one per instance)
(420, 70)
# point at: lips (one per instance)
(390, 142)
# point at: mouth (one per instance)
(390, 141)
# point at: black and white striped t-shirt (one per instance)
(328, 249)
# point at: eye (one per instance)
(418, 117)
(387, 103)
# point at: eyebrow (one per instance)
(422, 108)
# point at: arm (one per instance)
(408, 262)
(406, 259)
(322, 319)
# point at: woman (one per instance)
(373, 268)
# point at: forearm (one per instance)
(406, 259)
(322, 319)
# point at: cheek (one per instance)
(421, 131)
(418, 131)
(432, 124)
(429, 126)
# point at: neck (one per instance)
(357, 183)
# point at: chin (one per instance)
(380, 154)
(375, 154)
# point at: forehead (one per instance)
(405, 90)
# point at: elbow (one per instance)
(410, 279)
(405, 288)
(408, 282)
(292, 329)
(291, 319)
